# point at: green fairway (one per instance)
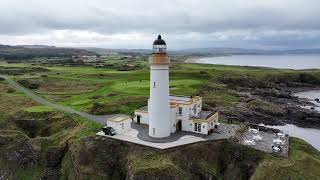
(83, 87)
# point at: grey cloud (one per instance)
(172, 17)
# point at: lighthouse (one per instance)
(159, 110)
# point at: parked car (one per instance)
(108, 131)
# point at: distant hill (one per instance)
(208, 51)
(103, 51)
(302, 51)
(34, 51)
(235, 51)
(36, 46)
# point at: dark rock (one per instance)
(54, 157)
(28, 84)
(16, 150)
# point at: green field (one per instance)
(82, 88)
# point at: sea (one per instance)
(285, 61)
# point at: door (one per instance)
(179, 126)
(138, 119)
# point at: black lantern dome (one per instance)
(159, 41)
(159, 45)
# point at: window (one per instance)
(197, 127)
(154, 131)
(122, 125)
(180, 110)
(154, 84)
(195, 109)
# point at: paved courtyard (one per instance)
(266, 143)
(138, 134)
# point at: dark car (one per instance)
(109, 131)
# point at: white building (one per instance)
(166, 114)
(120, 123)
(186, 114)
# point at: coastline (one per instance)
(193, 59)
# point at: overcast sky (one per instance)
(267, 24)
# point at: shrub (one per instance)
(11, 90)
(28, 84)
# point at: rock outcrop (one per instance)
(16, 152)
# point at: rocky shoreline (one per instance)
(271, 102)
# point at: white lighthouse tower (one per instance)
(159, 110)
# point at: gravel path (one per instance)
(100, 119)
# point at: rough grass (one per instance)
(39, 109)
(53, 85)
(153, 162)
(258, 104)
(11, 103)
(303, 163)
(67, 168)
(33, 173)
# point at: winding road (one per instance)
(100, 119)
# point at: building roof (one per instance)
(159, 41)
(143, 109)
(175, 101)
(119, 118)
(184, 99)
(204, 116)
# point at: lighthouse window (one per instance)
(154, 131)
(199, 127)
(180, 110)
(195, 126)
(154, 84)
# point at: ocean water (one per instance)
(311, 95)
(310, 135)
(286, 61)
